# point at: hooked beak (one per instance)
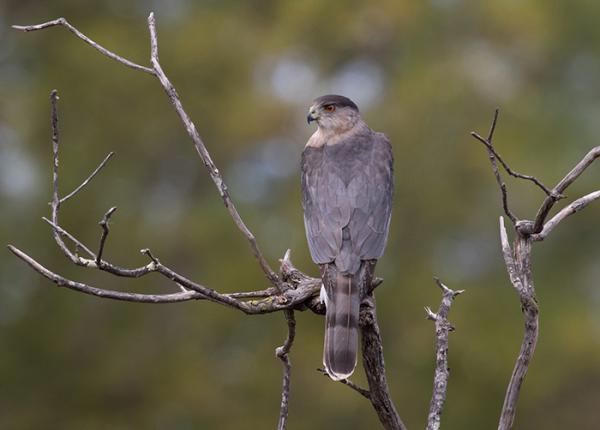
(311, 117)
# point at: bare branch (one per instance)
(294, 290)
(564, 183)
(291, 299)
(204, 155)
(372, 352)
(518, 266)
(509, 259)
(442, 370)
(490, 147)
(153, 40)
(108, 294)
(105, 230)
(282, 353)
(191, 129)
(55, 203)
(88, 179)
(488, 143)
(271, 291)
(97, 262)
(511, 172)
(574, 207)
(362, 391)
(63, 22)
(72, 238)
(530, 312)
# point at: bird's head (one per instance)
(333, 112)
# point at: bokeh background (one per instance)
(426, 73)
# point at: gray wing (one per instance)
(347, 196)
(370, 222)
(323, 218)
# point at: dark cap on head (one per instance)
(334, 99)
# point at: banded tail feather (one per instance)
(342, 300)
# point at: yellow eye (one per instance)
(330, 108)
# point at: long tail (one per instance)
(341, 322)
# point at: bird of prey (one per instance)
(347, 186)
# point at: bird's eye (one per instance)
(330, 108)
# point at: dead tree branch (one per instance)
(292, 298)
(105, 230)
(442, 370)
(518, 265)
(347, 382)
(281, 297)
(282, 353)
(108, 294)
(88, 179)
(63, 22)
(493, 156)
(157, 71)
(572, 208)
(204, 155)
(564, 183)
(373, 363)
(360, 390)
(517, 258)
(291, 289)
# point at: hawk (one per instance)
(347, 186)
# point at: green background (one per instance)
(426, 73)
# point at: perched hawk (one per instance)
(347, 186)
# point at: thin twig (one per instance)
(442, 370)
(511, 172)
(491, 153)
(148, 253)
(105, 230)
(347, 382)
(490, 147)
(72, 238)
(282, 353)
(360, 390)
(88, 179)
(63, 22)
(55, 203)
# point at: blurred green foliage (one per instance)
(426, 73)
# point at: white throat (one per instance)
(335, 135)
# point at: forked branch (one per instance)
(517, 258)
(290, 290)
(293, 290)
(442, 369)
(64, 23)
(562, 185)
(157, 71)
(494, 155)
